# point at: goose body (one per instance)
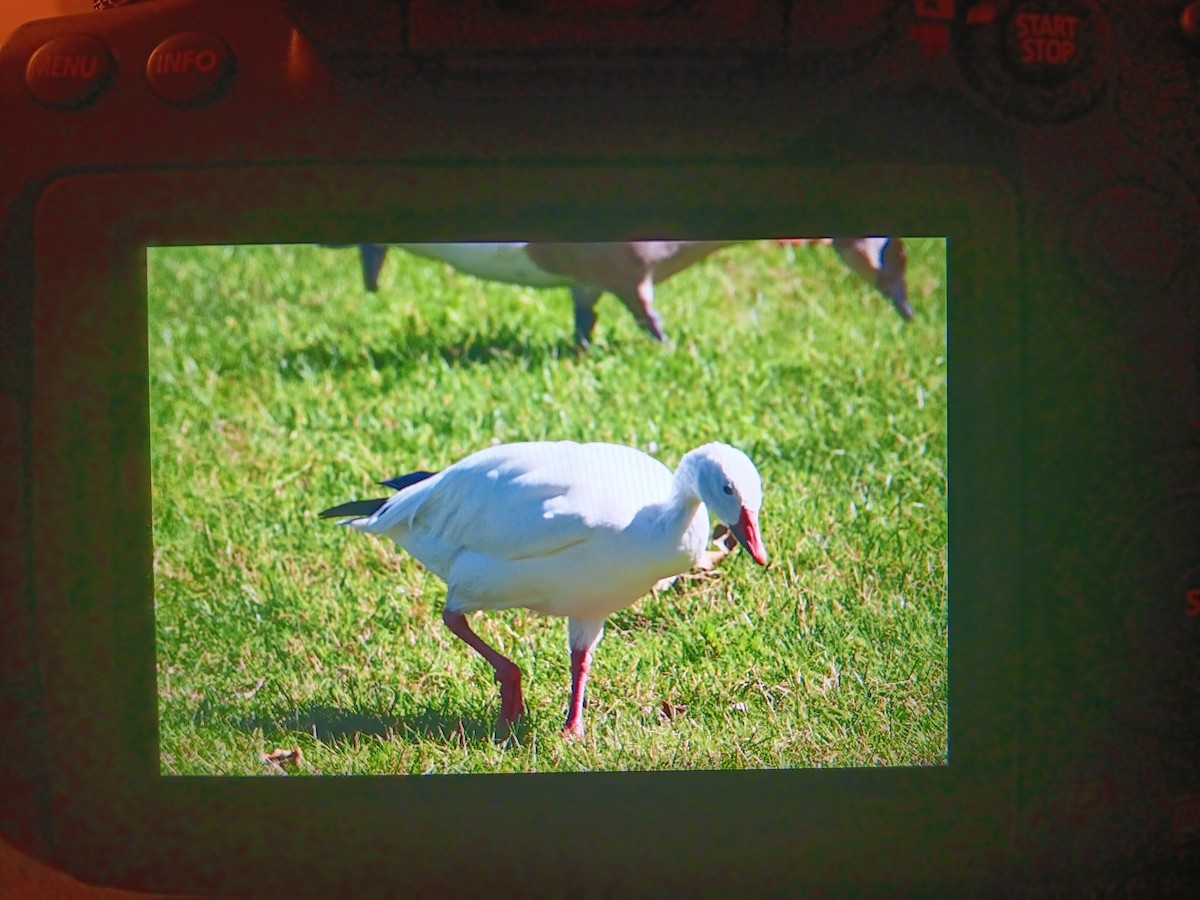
(564, 529)
(629, 269)
(509, 263)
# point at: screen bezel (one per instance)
(118, 821)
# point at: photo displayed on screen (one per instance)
(518, 507)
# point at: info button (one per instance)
(190, 68)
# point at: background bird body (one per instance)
(627, 269)
(630, 269)
(507, 262)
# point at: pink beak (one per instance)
(746, 532)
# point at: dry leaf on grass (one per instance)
(277, 760)
(667, 711)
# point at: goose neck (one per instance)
(685, 496)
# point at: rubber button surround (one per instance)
(1189, 23)
(1040, 61)
(1129, 236)
(190, 68)
(69, 71)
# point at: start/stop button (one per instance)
(1043, 44)
(1041, 61)
(191, 68)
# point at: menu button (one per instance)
(68, 71)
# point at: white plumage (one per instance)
(508, 263)
(565, 529)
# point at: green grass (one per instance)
(280, 387)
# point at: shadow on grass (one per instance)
(332, 725)
(415, 349)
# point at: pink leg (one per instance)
(512, 704)
(640, 302)
(581, 664)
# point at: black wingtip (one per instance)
(354, 509)
(400, 482)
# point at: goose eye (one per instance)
(728, 488)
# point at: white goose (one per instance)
(564, 529)
(629, 269)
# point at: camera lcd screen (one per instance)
(280, 386)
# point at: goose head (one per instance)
(727, 482)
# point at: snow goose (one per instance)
(628, 269)
(880, 260)
(564, 529)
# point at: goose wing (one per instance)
(521, 501)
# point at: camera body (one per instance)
(1053, 142)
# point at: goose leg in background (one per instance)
(881, 261)
(583, 637)
(585, 298)
(641, 303)
(892, 281)
(372, 256)
(512, 703)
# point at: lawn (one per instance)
(279, 387)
